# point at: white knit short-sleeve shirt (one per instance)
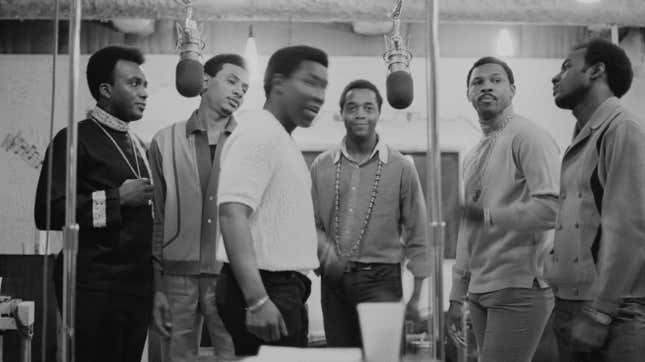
(263, 168)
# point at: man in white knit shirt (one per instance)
(266, 212)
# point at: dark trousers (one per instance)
(109, 327)
(288, 290)
(625, 341)
(374, 282)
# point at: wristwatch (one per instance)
(597, 316)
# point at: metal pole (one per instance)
(70, 232)
(433, 180)
(614, 34)
(25, 349)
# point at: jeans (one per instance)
(374, 282)
(192, 302)
(288, 290)
(508, 323)
(625, 341)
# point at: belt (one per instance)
(355, 266)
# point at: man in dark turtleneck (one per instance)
(510, 195)
(113, 211)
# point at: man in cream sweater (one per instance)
(511, 194)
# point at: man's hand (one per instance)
(586, 333)
(266, 323)
(474, 214)
(454, 323)
(332, 266)
(412, 311)
(161, 317)
(136, 192)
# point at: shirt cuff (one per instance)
(240, 199)
(419, 269)
(459, 288)
(505, 217)
(99, 209)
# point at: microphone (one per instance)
(398, 84)
(189, 74)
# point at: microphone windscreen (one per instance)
(399, 89)
(189, 76)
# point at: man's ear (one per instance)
(513, 89)
(277, 83)
(206, 79)
(105, 90)
(597, 70)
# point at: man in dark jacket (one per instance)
(114, 193)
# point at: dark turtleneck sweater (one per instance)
(115, 258)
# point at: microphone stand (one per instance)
(189, 43)
(397, 56)
(433, 183)
(70, 231)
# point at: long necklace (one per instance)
(368, 214)
(481, 155)
(137, 172)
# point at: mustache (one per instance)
(486, 95)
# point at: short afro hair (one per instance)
(100, 67)
(618, 67)
(216, 63)
(286, 60)
(360, 84)
(491, 60)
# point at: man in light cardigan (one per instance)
(185, 158)
(511, 188)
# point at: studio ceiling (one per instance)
(619, 12)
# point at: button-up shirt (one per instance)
(599, 246)
(397, 227)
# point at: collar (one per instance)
(380, 148)
(103, 117)
(197, 124)
(602, 113)
(502, 120)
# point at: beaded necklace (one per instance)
(137, 172)
(368, 214)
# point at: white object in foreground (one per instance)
(290, 354)
(381, 328)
